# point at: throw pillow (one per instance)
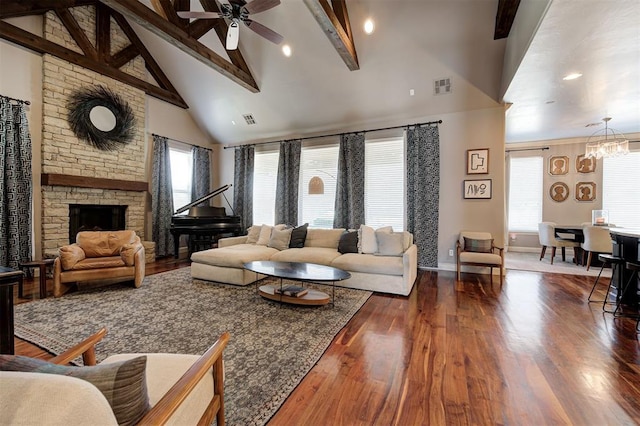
(253, 234)
(280, 238)
(348, 242)
(265, 235)
(298, 236)
(390, 243)
(367, 238)
(122, 383)
(478, 246)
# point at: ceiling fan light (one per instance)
(369, 26)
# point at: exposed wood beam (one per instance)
(179, 6)
(340, 9)
(330, 24)
(77, 33)
(145, 17)
(103, 32)
(38, 44)
(200, 27)
(125, 55)
(165, 9)
(14, 8)
(504, 18)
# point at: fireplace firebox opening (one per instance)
(94, 217)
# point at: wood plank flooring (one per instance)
(530, 352)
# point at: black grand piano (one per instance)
(203, 223)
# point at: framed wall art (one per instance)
(477, 189)
(586, 191)
(478, 161)
(585, 164)
(559, 192)
(558, 165)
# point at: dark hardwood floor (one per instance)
(530, 352)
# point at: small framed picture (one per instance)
(585, 164)
(477, 189)
(558, 165)
(586, 191)
(478, 161)
(559, 192)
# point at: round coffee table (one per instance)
(298, 271)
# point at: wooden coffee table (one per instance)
(298, 271)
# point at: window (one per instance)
(525, 193)
(384, 183)
(317, 209)
(620, 195)
(181, 173)
(265, 178)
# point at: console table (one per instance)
(625, 245)
(8, 278)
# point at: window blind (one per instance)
(181, 173)
(525, 193)
(620, 193)
(384, 183)
(265, 176)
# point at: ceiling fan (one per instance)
(239, 11)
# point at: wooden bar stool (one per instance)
(615, 263)
(635, 267)
(42, 265)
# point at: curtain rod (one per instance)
(339, 134)
(544, 148)
(176, 140)
(16, 100)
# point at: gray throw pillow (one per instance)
(390, 243)
(478, 246)
(123, 383)
(298, 236)
(348, 242)
(280, 238)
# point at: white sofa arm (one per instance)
(231, 241)
(410, 265)
(51, 399)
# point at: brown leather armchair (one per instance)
(98, 255)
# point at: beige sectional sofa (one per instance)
(393, 274)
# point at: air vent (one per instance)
(442, 86)
(249, 119)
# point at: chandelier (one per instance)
(606, 142)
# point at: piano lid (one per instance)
(206, 197)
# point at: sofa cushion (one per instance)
(367, 242)
(104, 243)
(488, 258)
(370, 263)
(280, 238)
(298, 236)
(233, 256)
(99, 262)
(319, 255)
(390, 243)
(348, 242)
(327, 238)
(253, 234)
(123, 384)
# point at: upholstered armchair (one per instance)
(478, 249)
(142, 389)
(547, 238)
(99, 255)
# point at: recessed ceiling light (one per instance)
(369, 26)
(286, 50)
(572, 76)
(233, 122)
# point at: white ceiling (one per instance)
(415, 43)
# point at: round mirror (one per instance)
(102, 118)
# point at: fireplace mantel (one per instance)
(55, 179)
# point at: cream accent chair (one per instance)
(596, 240)
(182, 389)
(547, 237)
(99, 255)
(492, 258)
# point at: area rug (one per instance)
(525, 261)
(272, 346)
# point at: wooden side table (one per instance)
(8, 278)
(42, 265)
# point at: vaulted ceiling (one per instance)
(338, 78)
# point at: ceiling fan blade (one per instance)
(257, 6)
(233, 35)
(199, 15)
(263, 31)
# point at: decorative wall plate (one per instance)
(559, 191)
(585, 164)
(585, 191)
(558, 165)
(101, 118)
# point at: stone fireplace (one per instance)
(95, 217)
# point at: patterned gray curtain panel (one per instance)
(349, 205)
(423, 191)
(161, 197)
(15, 184)
(201, 173)
(287, 185)
(243, 185)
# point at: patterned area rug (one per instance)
(272, 346)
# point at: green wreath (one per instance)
(82, 106)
